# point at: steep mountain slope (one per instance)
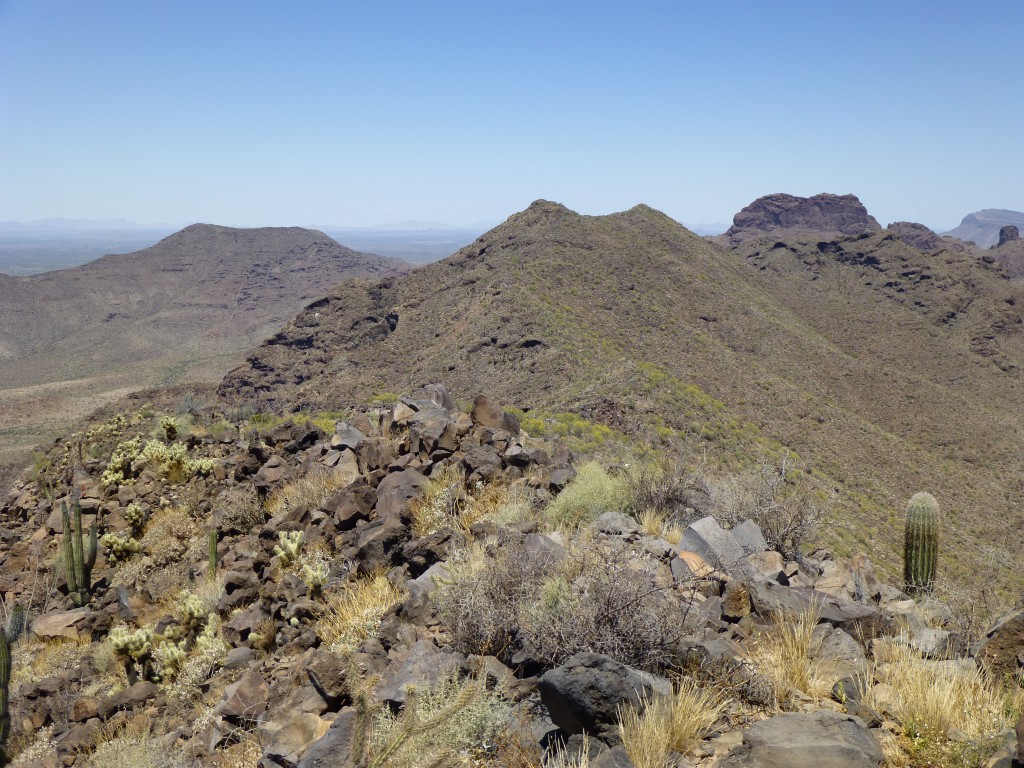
(982, 227)
(889, 370)
(183, 310)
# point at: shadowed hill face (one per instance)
(1010, 255)
(889, 370)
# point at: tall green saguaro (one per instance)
(10, 633)
(921, 544)
(79, 551)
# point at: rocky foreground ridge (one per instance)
(417, 584)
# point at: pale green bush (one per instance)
(591, 493)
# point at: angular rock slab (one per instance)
(60, 624)
(807, 740)
(712, 542)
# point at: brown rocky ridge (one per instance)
(886, 368)
(403, 586)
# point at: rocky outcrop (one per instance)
(1007, 234)
(832, 215)
(918, 236)
(586, 693)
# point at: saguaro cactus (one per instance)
(79, 553)
(212, 566)
(921, 543)
(10, 633)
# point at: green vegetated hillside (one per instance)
(886, 369)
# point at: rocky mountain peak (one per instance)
(842, 215)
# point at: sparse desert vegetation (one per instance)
(477, 607)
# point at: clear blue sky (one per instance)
(359, 113)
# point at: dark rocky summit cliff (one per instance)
(824, 213)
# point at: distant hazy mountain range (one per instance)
(183, 310)
(982, 227)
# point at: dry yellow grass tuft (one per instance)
(443, 502)
(132, 745)
(655, 523)
(168, 534)
(36, 658)
(310, 490)
(783, 654)
(942, 701)
(669, 724)
(354, 613)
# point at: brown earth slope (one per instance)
(185, 309)
(889, 370)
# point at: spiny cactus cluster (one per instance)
(135, 515)
(137, 648)
(119, 547)
(79, 552)
(289, 546)
(11, 632)
(921, 544)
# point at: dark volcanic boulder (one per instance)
(584, 693)
(836, 215)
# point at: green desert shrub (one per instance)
(591, 493)
(592, 597)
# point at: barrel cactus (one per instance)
(921, 544)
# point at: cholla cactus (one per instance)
(289, 546)
(315, 569)
(135, 515)
(169, 427)
(921, 543)
(119, 468)
(119, 547)
(192, 611)
(136, 650)
(170, 657)
(136, 645)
